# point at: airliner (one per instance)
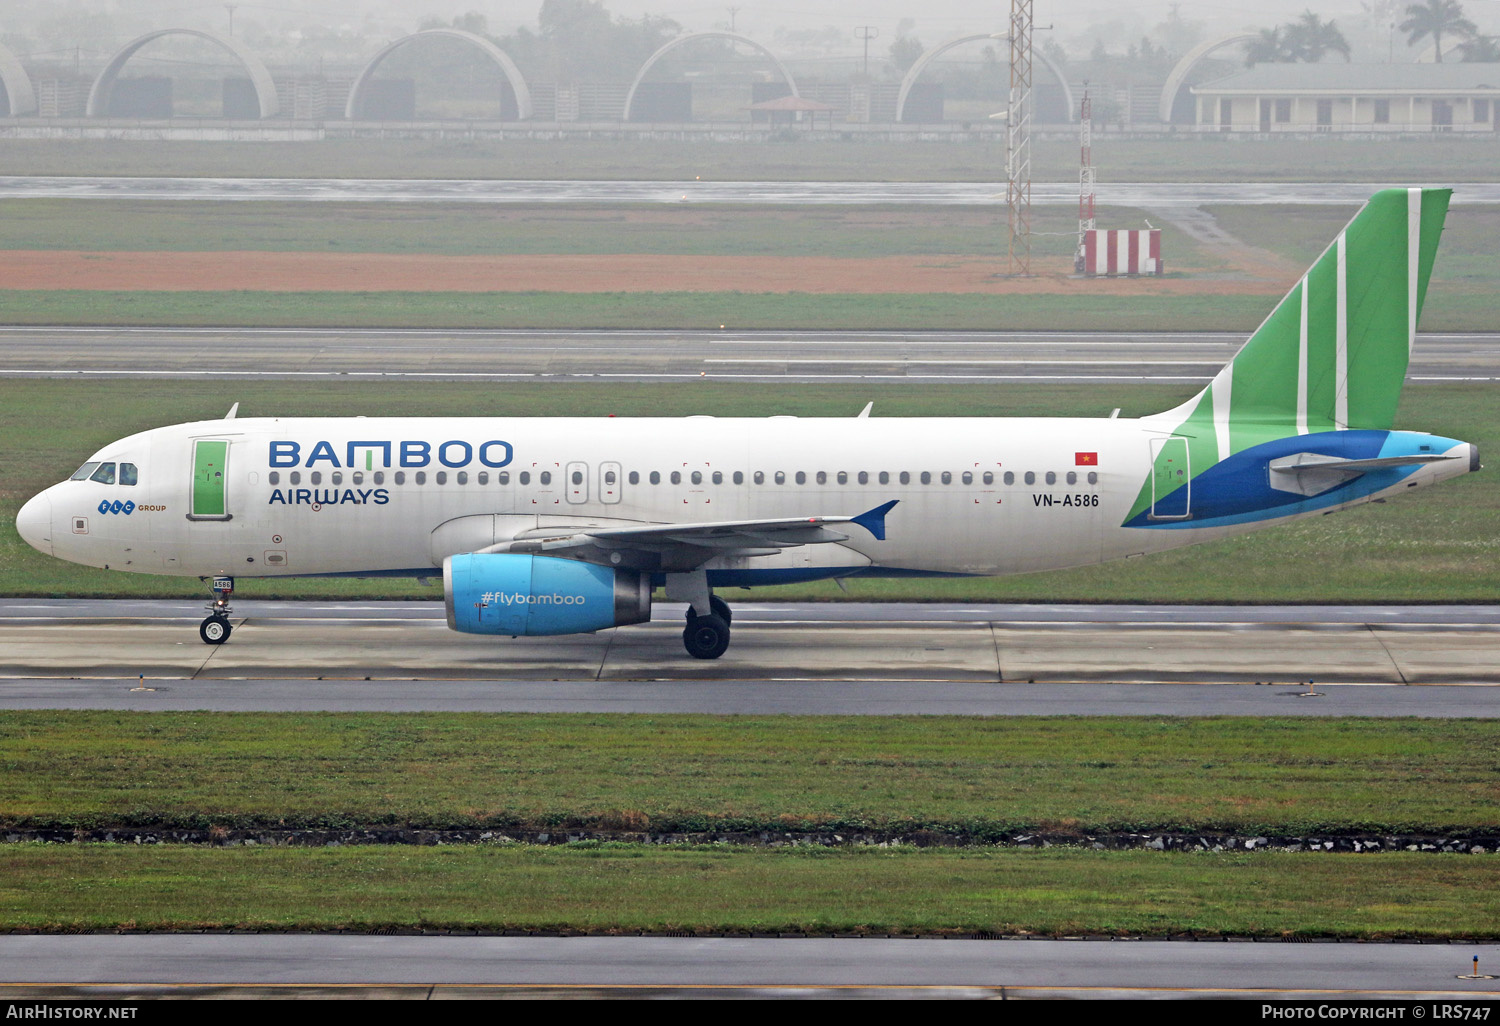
(542, 526)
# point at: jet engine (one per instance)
(505, 593)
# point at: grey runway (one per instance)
(667, 356)
(457, 967)
(859, 659)
(313, 190)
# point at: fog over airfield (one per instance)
(299, 30)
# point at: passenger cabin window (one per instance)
(545, 477)
(781, 477)
(462, 477)
(1072, 477)
(1093, 477)
(442, 477)
(503, 477)
(84, 472)
(739, 477)
(1051, 477)
(656, 477)
(524, 477)
(718, 477)
(697, 477)
(1010, 477)
(968, 477)
(274, 477)
(316, 477)
(947, 477)
(104, 475)
(609, 477)
(822, 477)
(760, 477)
(359, 477)
(380, 477)
(989, 477)
(1031, 477)
(864, 477)
(635, 477)
(483, 478)
(400, 477)
(885, 477)
(421, 477)
(677, 477)
(128, 474)
(927, 477)
(338, 477)
(802, 477)
(578, 477)
(906, 477)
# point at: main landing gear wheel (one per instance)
(214, 630)
(706, 637)
(716, 606)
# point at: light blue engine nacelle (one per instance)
(514, 594)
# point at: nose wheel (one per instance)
(215, 629)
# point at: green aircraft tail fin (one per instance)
(1333, 354)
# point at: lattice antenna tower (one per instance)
(1018, 138)
(1085, 174)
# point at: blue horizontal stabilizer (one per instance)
(874, 520)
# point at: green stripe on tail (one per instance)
(1333, 354)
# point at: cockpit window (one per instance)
(128, 474)
(105, 474)
(83, 472)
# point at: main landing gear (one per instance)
(215, 629)
(707, 637)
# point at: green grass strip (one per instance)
(667, 311)
(629, 889)
(979, 778)
(1184, 156)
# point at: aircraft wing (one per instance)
(685, 546)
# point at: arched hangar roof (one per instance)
(928, 56)
(1180, 70)
(489, 49)
(18, 88)
(640, 76)
(260, 78)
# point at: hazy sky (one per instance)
(1076, 24)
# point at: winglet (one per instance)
(874, 520)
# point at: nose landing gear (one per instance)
(215, 629)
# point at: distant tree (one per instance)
(471, 21)
(1268, 48)
(1178, 35)
(904, 52)
(1304, 41)
(1480, 50)
(578, 41)
(1436, 18)
(1310, 37)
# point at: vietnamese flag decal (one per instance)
(1085, 459)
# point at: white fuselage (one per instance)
(345, 496)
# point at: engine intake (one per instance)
(505, 593)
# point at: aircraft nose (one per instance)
(34, 523)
